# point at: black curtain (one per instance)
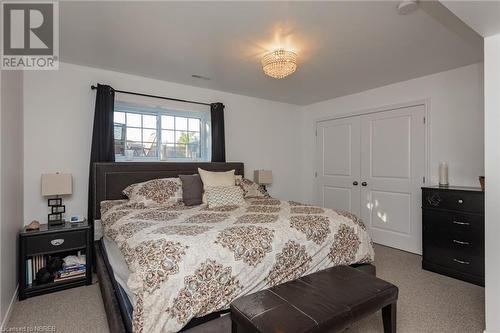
(103, 145)
(218, 137)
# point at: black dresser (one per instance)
(453, 232)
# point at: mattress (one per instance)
(118, 264)
(177, 263)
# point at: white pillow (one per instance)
(224, 195)
(211, 178)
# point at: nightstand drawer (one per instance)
(56, 242)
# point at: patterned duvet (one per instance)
(187, 262)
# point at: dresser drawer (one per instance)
(469, 264)
(454, 240)
(57, 242)
(452, 245)
(457, 232)
(466, 201)
(436, 219)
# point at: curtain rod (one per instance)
(154, 96)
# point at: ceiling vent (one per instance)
(201, 77)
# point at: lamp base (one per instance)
(55, 219)
(57, 209)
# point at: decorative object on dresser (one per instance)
(56, 184)
(53, 259)
(453, 232)
(443, 174)
(34, 225)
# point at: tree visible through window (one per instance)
(158, 134)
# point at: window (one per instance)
(159, 133)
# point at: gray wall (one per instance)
(492, 209)
(11, 181)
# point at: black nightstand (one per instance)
(37, 247)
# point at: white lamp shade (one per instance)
(56, 184)
(263, 177)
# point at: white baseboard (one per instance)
(8, 313)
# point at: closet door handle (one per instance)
(355, 183)
(364, 183)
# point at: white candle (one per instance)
(443, 173)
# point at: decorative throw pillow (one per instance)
(251, 189)
(155, 192)
(213, 178)
(224, 195)
(192, 189)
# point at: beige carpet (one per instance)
(428, 302)
(74, 310)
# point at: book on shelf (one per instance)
(70, 271)
(33, 265)
(29, 272)
(63, 275)
(73, 267)
(69, 277)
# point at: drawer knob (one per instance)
(461, 223)
(461, 262)
(57, 242)
(461, 242)
(460, 201)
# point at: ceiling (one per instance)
(342, 47)
(482, 16)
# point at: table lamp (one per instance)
(53, 186)
(263, 177)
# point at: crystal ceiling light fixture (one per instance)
(279, 63)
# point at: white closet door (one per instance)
(338, 164)
(392, 171)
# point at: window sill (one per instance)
(146, 160)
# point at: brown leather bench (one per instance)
(326, 301)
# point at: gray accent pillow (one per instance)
(192, 189)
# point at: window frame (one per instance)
(159, 111)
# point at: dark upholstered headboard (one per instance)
(110, 179)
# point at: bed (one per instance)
(163, 269)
